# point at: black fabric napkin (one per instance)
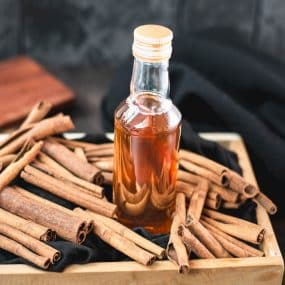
(94, 249)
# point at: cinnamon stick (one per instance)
(196, 246)
(72, 144)
(214, 204)
(88, 223)
(67, 191)
(202, 161)
(38, 112)
(38, 131)
(193, 168)
(185, 188)
(230, 205)
(234, 226)
(29, 227)
(58, 171)
(124, 231)
(180, 206)
(11, 171)
(237, 183)
(66, 226)
(7, 159)
(105, 165)
(266, 203)
(31, 243)
(19, 250)
(80, 153)
(70, 161)
(225, 193)
(123, 244)
(99, 152)
(206, 238)
(246, 249)
(176, 243)
(108, 178)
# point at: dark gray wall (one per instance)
(69, 32)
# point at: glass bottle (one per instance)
(147, 134)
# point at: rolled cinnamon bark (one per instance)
(99, 152)
(266, 203)
(97, 192)
(67, 191)
(246, 249)
(185, 188)
(31, 243)
(66, 226)
(58, 171)
(88, 223)
(38, 112)
(198, 248)
(243, 230)
(29, 227)
(206, 238)
(230, 205)
(38, 131)
(237, 183)
(108, 177)
(225, 193)
(187, 177)
(11, 171)
(123, 244)
(7, 159)
(72, 144)
(180, 206)
(70, 161)
(191, 167)
(105, 165)
(202, 161)
(124, 231)
(176, 243)
(80, 153)
(214, 204)
(19, 250)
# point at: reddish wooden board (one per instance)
(23, 83)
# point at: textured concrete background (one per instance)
(92, 32)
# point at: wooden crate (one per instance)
(234, 271)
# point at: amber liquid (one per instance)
(145, 168)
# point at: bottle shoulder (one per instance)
(149, 113)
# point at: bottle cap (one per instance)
(152, 43)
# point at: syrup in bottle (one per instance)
(147, 134)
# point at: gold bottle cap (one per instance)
(152, 43)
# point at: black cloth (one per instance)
(225, 85)
(94, 249)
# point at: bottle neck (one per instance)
(150, 77)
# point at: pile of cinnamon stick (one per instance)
(76, 171)
(27, 221)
